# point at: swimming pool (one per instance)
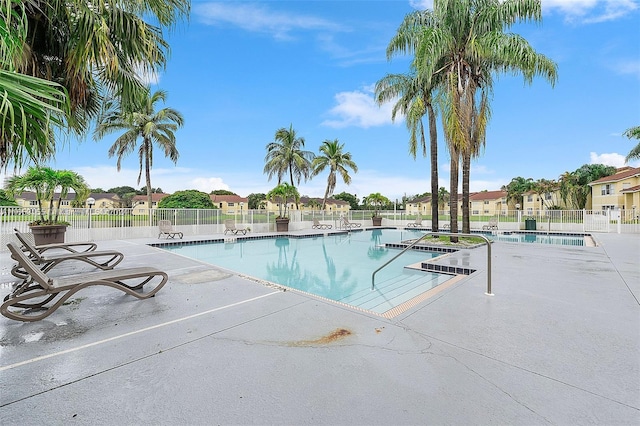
(337, 267)
(539, 238)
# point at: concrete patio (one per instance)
(558, 343)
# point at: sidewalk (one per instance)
(558, 343)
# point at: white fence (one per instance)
(103, 224)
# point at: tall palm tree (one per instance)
(337, 161)
(88, 50)
(414, 95)
(287, 154)
(633, 133)
(141, 120)
(463, 45)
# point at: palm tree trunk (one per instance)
(453, 198)
(147, 171)
(433, 136)
(326, 194)
(466, 171)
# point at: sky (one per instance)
(240, 70)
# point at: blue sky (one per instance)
(240, 70)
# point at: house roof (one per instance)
(425, 199)
(305, 200)
(488, 195)
(632, 189)
(622, 173)
(227, 198)
(156, 196)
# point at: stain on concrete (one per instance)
(335, 336)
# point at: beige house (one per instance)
(230, 204)
(620, 191)
(105, 200)
(139, 203)
(418, 206)
(488, 203)
(102, 200)
(311, 204)
(534, 203)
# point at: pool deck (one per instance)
(557, 343)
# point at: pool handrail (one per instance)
(445, 234)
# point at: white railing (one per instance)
(105, 224)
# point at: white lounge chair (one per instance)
(318, 225)
(230, 226)
(416, 224)
(166, 228)
(493, 224)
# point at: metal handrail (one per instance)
(445, 234)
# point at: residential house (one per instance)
(103, 200)
(534, 203)
(419, 206)
(620, 191)
(488, 203)
(140, 206)
(332, 205)
(311, 204)
(230, 204)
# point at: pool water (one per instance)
(336, 267)
(555, 239)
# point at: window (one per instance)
(530, 198)
(33, 202)
(486, 212)
(606, 189)
(486, 201)
(547, 196)
(64, 203)
(476, 212)
(228, 204)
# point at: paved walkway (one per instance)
(558, 343)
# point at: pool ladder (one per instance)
(446, 234)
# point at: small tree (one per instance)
(44, 181)
(377, 200)
(255, 200)
(189, 199)
(281, 194)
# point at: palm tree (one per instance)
(633, 133)
(29, 106)
(462, 45)
(414, 96)
(87, 50)
(516, 189)
(44, 181)
(337, 162)
(286, 154)
(141, 120)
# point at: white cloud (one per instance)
(208, 184)
(612, 159)
(259, 18)
(421, 4)
(590, 11)
(147, 77)
(630, 67)
(359, 109)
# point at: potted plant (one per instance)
(44, 181)
(377, 200)
(281, 195)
